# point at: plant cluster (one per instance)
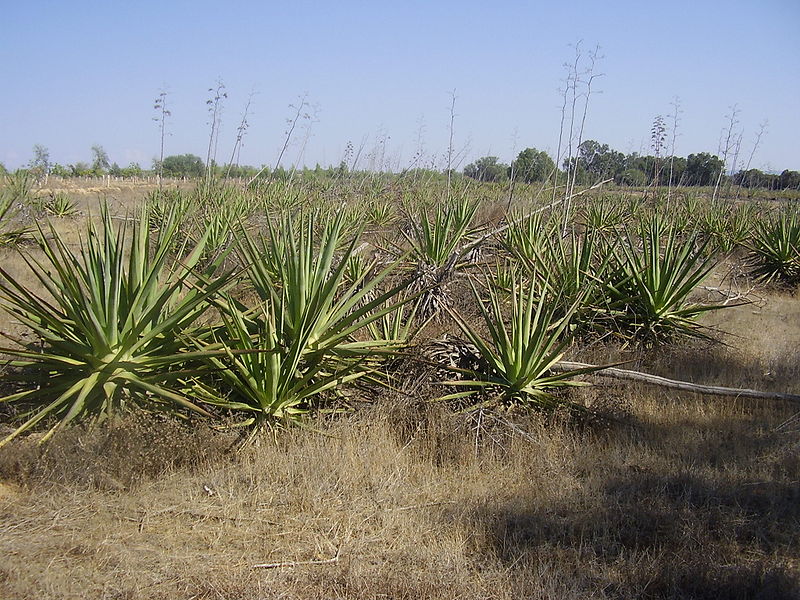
(208, 304)
(775, 248)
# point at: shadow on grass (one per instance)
(659, 538)
(680, 523)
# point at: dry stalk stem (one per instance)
(294, 563)
(761, 129)
(215, 111)
(673, 134)
(675, 384)
(570, 190)
(726, 149)
(450, 144)
(160, 106)
(291, 125)
(240, 131)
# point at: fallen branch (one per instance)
(417, 506)
(729, 295)
(294, 563)
(676, 384)
(792, 421)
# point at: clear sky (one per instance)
(381, 74)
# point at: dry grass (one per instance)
(652, 494)
(671, 496)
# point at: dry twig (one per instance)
(294, 563)
(676, 384)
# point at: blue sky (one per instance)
(381, 74)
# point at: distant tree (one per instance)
(40, 163)
(636, 162)
(789, 179)
(100, 162)
(634, 177)
(264, 173)
(183, 165)
(133, 170)
(598, 161)
(678, 165)
(486, 169)
(703, 168)
(532, 165)
(279, 173)
(3, 170)
(60, 170)
(752, 178)
(339, 171)
(80, 169)
(239, 171)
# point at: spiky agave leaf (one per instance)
(649, 287)
(435, 242)
(775, 248)
(519, 351)
(570, 270)
(527, 237)
(12, 232)
(605, 214)
(302, 340)
(111, 322)
(440, 247)
(59, 204)
(728, 226)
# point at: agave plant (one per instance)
(728, 226)
(278, 195)
(399, 327)
(220, 228)
(440, 248)
(59, 204)
(11, 231)
(257, 375)
(570, 271)
(527, 237)
(775, 248)
(220, 211)
(435, 242)
(19, 186)
(112, 324)
(519, 356)
(302, 340)
(648, 287)
(505, 274)
(380, 213)
(163, 204)
(604, 215)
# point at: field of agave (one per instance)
(254, 307)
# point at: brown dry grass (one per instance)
(686, 498)
(661, 495)
(653, 494)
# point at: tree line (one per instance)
(595, 161)
(188, 166)
(181, 166)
